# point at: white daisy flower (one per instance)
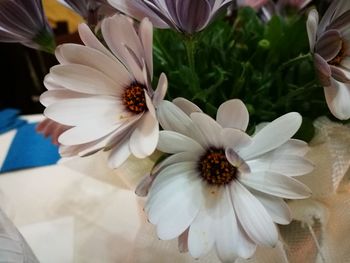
(329, 41)
(105, 95)
(221, 188)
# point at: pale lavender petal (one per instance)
(90, 40)
(138, 10)
(146, 36)
(235, 139)
(173, 142)
(81, 111)
(52, 96)
(84, 79)
(233, 114)
(121, 37)
(160, 92)
(340, 74)
(173, 118)
(312, 24)
(323, 70)
(329, 44)
(83, 55)
(186, 106)
(209, 129)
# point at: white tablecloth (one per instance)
(67, 216)
(81, 211)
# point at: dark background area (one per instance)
(22, 70)
(22, 73)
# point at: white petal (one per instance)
(85, 134)
(289, 165)
(276, 207)
(186, 106)
(160, 92)
(293, 147)
(170, 174)
(311, 25)
(233, 114)
(253, 217)
(84, 79)
(201, 235)
(176, 158)
(208, 128)
(146, 36)
(81, 111)
(51, 96)
(51, 84)
(173, 142)
(173, 118)
(90, 40)
(119, 154)
(338, 99)
(276, 184)
(235, 139)
(178, 209)
(226, 229)
(230, 241)
(273, 135)
(83, 55)
(144, 139)
(120, 36)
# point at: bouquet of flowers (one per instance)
(224, 93)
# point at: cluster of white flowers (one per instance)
(218, 187)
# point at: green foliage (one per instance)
(266, 65)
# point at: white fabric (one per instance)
(59, 232)
(106, 222)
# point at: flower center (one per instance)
(134, 98)
(216, 169)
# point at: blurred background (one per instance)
(23, 69)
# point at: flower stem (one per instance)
(190, 45)
(295, 60)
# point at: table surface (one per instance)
(81, 211)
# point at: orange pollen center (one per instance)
(134, 98)
(215, 169)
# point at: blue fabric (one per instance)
(9, 120)
(29, 149)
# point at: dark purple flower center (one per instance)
(134, 98)
(215, 169)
